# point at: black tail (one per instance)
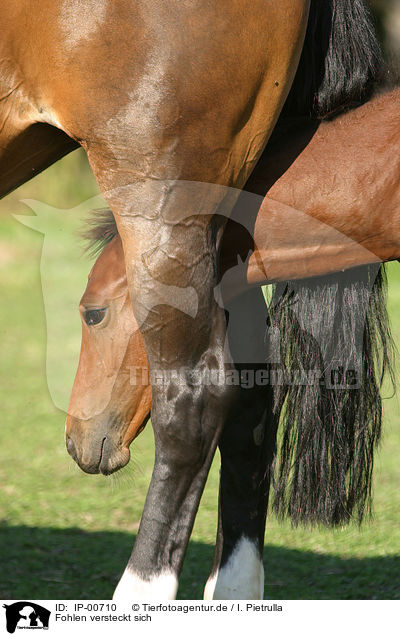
(335, 346)
(341, 60)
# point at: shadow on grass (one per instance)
(48, 563)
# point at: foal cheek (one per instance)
(99, 364)
(138, 410)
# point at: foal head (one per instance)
(107, 411)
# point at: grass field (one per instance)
(64, 534)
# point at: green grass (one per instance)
(64, 534)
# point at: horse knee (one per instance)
(187, 419)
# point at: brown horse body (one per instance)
(157, 93)
(173, 103)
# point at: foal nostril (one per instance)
(70, 446)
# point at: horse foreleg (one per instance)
(247, 447)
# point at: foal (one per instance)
(339, 225)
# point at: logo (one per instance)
(26, 615)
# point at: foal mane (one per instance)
(100, 229)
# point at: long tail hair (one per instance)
(335, 346)
(341, 60)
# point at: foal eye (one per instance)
(94, 316)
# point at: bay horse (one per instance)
(303, 228)
(162, 95)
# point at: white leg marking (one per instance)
(132, 587)
(210, 587)
(242, 577)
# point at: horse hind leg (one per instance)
(247, 447)
(246, 458)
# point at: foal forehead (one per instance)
(108, 276)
